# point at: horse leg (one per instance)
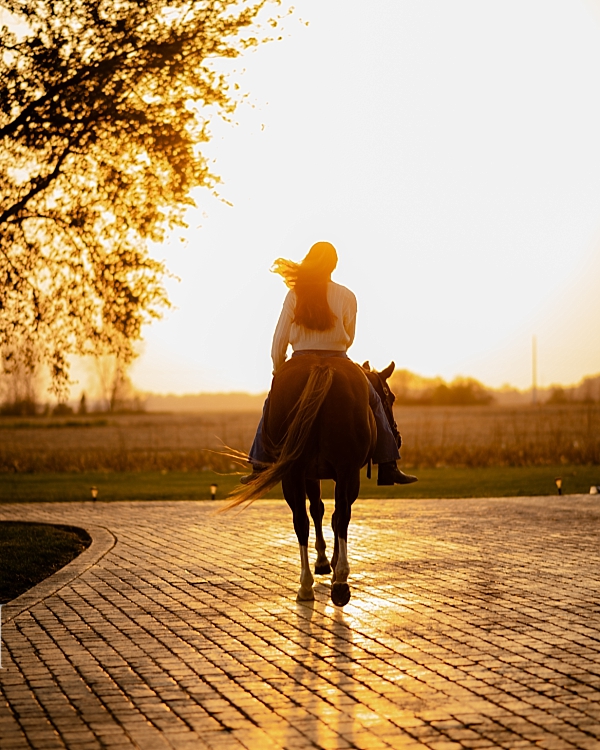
(317, 511)
(294, 492)
(336, 548)
(346, 492)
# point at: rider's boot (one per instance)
(389, 473)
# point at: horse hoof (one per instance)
(340, 594)
(305, 595)
(323, 570)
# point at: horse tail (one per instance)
(296, 439)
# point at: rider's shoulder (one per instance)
(341, 289)
(290, 298)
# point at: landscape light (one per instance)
(94, 491)
(558, 481)
(213, 491)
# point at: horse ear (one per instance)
(385, 374)
(366, 366)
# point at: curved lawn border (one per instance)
(102, 542)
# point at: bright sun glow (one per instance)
(449, 151)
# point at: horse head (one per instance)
(379, 382)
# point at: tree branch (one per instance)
(38, 186)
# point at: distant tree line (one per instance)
(586, 392)
(411, 389)
(463, 393)
(22, 390)
(415, 390)
(21, 394)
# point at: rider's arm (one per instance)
(281, 337)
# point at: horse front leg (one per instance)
(305, 592)
(294, 492)
(317, 511)
(336, 549)
(340, 590)
(346, 492)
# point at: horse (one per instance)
(318, 425)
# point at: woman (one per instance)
(319, 317)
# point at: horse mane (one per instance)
(294, 445)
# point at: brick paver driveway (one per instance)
(472, 623)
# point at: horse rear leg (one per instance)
(317, 511)
(346, 492)
(294, 491)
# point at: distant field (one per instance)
(124, 442)
(501, 436)
(485, 436)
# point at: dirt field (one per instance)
(124, 442)
(498, 436)
(449, 436)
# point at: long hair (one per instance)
(309, 280)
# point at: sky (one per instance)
(451, 153)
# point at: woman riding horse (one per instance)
(319, 318)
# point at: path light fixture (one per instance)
(213, 491)
(558, 482)
(94, 491)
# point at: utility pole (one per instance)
(534, 370)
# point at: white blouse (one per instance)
(338, 338)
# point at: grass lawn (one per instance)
(439, 482)
(30, 552)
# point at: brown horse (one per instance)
(318, 425)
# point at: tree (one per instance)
(115, 384)
(103, 109)
(20, 384)
(82, 405)
(461, 392)
(558, 396)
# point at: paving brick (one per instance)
(473, 624)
